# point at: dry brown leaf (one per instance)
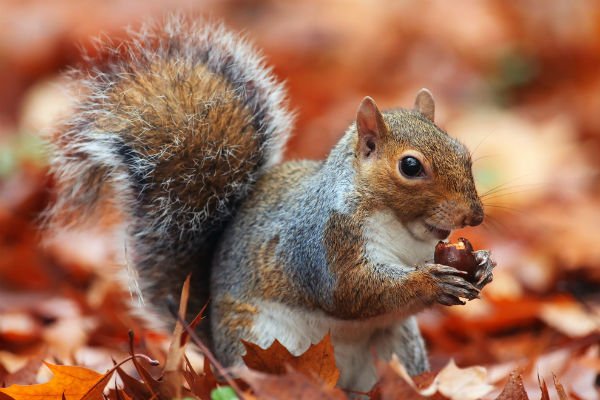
(514, 388)
(70, 382)
(318, 360)
(26, 375)
(292, 385)
(570, 318)
(562, 395)
(395, 383)
(171, 373)
(156, 388)
(452, 382)
(544, 388)
(200, 384)
(132, 387)
(462, 383)
(118, 394)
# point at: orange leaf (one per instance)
(69, 382)
(318, 360)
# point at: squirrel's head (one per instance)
(407, 164)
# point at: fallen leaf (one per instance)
(203, 384)
(544, 388)
(514, 388)
(293, 385)
(155, 386)
(171, 374)
(118, 394)
(96, 391)
(133, 387)
(562, 395)
(318, 360)
(70, 382)
(570, 318)
(26, 375)
(462, 383)
(159, 388)
(395, 383)
(451, 382)
(19, 328)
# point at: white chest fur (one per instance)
(388, 241)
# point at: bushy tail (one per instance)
(174, 127)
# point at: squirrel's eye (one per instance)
(411, 167)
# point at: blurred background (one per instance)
(518, 82)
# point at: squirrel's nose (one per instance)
(474, 218)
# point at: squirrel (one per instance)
(183, 129)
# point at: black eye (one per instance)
(411, 167)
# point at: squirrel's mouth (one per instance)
(439, 233)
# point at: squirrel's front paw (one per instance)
(486, 264)
(451, 285)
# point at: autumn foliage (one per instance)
(271, 373)
(518, 82)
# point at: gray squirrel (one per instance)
(183, 129)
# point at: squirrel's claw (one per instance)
(451, 285)
(449, 300)
(484, 275)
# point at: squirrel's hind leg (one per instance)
(231, 321)
(405, 341)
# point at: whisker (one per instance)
(503, 192)
(500, 188)
(499, 196)
(480, 143)
(491, 225)
(498, 225)
(482, 158)
(507, 209)
(486, 225)
(497, 188)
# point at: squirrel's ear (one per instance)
(370, 126)
(424, 104)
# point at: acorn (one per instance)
(458, 255)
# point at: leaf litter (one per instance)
(533, 73)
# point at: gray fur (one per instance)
(297, 217)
